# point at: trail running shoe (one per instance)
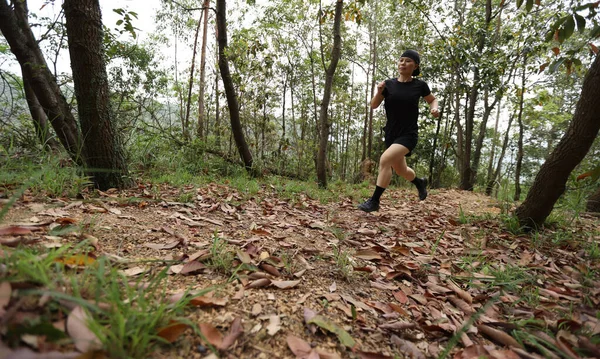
(369, 206)
(421, 184)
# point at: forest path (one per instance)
(401, 281)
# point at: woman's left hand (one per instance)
(435, 112)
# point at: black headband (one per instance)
(412, 54)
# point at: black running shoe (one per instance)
(369, 206)
(421, 184)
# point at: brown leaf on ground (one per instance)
(298, 346)
(274, 325)
(369, 355)
(15, 231)
(498, 336)
(368, 255)
(461, 293)
(270, 269)
(398, 326)
(160, 246)
(409, 349)
(260, 283)
(192, 268)
(172, 331)
(285, 284)
(77, 327)
(323, 354)
(401, 297)
(208, 301)
(235, 331)
(211, 334)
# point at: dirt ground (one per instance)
(400, 282)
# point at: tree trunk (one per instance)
(467, 175)
(16, 31)
(520, 154)
(550, 181)
(188, 105)
(491, 183)
(323, 120)
(101, 146)
(493, 152)
(202, 73)
(373, 84)
(232, 101)
(40, 120)
(435, 140)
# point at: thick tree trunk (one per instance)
(40, 120)
(323, 120)
(16, 31)
(232, 101)
(550, 181)
(202, 72)
(102, 149)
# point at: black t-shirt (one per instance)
(402, 106)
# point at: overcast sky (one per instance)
(146, 9)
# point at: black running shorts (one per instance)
(408, 141)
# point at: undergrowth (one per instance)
(124, 315)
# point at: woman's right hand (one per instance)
(380, 87)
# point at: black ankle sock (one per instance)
(416, 181)
(378, 192)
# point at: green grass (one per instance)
(343, 263)
(125, 316)
(221, 255)
(50, 176)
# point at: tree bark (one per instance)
(16, 31)
(323, 120)
(40, 120)
(188, 105)
(202, 73)
(550, 181)
(102, 149)
(232, 101)
(520, 153)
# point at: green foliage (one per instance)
(343, 262)
(52, 176)
(127, 327)
(221, 255)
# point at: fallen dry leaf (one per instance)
(235, 331)
(192, 268)
(15, 231)
(298, 346)
(77, 327)
(208, 301)
(274, 325)
(368, 255)
(172, 332)
(498, 336)
(263, 282)
(409, 349)
(159, 246)
(132, 272)
(211, 334)
(285, 284)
